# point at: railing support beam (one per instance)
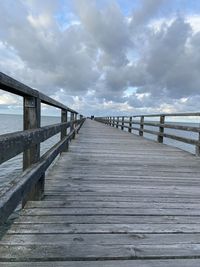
(130, 124)
(161, 129)
(141, 126)
(117, 126)
(122, 127)
(32, 120)
(113, 122)
(64, 131)
(72, 124)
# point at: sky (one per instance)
(103, 57)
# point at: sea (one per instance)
(12, 123)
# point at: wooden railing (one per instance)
(138, 123)
(30, 185)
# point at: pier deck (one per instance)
(115, 199)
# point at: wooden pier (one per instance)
(115, 199)
(112, 199)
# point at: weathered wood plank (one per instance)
(84, 228)
(100, 239)
(107, 219)
(107, 204)
(97, 252)
(124, 263)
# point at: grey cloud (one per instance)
(147, 10)
(93, 55)
(59, 59)
(172, 61)
(107, 28)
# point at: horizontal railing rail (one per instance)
(138, 123)
(30, 184)
(13, 86)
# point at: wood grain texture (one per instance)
(115, 199)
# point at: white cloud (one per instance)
(95, 58)
(7, 99)
(43, 21)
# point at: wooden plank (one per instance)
(100, 239)
(108, 204)
(112, 211)
(107, 219)
(97, 252)
(174, 126)
(84, 228)
(142, 199)
(114, 263)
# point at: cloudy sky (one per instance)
(105, 56)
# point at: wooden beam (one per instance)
(32, 117)
(64, 130)
(130, 124)
(23, 185)
(117, 126)
(161, 129)
(141, 126)
(13, 86)
(14, 143)
(122, 127)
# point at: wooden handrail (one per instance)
(126, 122)
(13, 86)
(30, 185)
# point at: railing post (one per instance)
(75, 119)
(130, 124)
(161, 129)
(110, 121)
(113, 122)
(80, 118)
(32, 120)
(122, 127)
(72, 124)
(198, 146)
(64, 130)
(141, 126)
(117, 126)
